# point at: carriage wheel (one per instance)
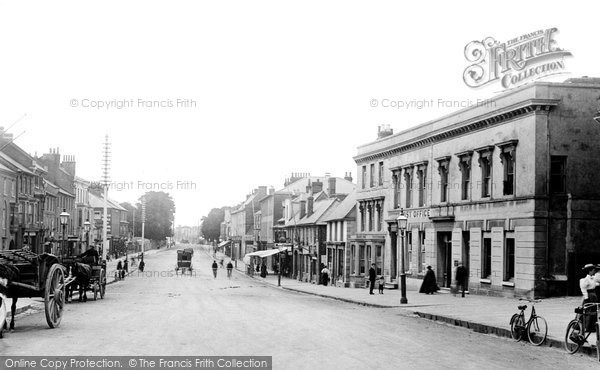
(54, 295)
(102, 284)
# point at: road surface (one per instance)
(160, 313)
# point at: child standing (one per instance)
(381, 284)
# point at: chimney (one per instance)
(309, 206)
(69, 164)
(331, 186)
(348, 176)
(262, 190)
(317, 186)
(384, 131)
(302, 208)
(271, 190)
(308, 187)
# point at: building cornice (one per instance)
(526, 107)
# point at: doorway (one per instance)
(466, 250)
(444, 260)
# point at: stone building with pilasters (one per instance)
(508, 187)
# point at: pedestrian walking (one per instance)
(429, 285)
(461, 279)
(215, 267)
(141, 265)
(229, 269)
(221, 262)
(325, 275)
(372, 278)
(126, 266)
(381, 284)
(119, 270)
(263, 271)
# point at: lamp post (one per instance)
(64, 219)
(86, 228)
(402, 221)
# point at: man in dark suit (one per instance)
(461, 279)
(372, 277)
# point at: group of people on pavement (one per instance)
(429, 285)
(215, 268)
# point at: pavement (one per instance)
(482, 314)
(24, 304)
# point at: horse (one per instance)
(82, 273)
(8, 274)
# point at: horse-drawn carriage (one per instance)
(85, 274)
(24, 274)
(184, 260)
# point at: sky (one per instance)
(208, 100)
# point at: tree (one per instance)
(159, 216)
(211, 227)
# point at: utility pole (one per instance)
(105, 183)
(143, 222)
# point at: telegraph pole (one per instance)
(105, 183)
(143, 222)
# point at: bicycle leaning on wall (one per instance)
(535, 329)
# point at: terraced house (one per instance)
(509, 188)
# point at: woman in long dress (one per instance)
(429, 285)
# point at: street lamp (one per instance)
(402, 221)
(86, 228)
(64, 219)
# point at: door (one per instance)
(466, 252)
(444, 259)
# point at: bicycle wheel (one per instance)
(573, 337)
(517, 326)
(537, 330)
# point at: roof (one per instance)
(319, 209)
(98, 202)
(16, 164)
(342, 209)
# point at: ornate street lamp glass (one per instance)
(64, 217)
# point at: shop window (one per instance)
(558, 174)
(370, 212)
(409, 247)
(379, 216)
(379, 258)
(352, 259)
(486, 259)
(421, 266)
(361, 260)
(509, 260)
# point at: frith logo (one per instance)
(515, 62)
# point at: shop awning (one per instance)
(261, 254)
(223, 244)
